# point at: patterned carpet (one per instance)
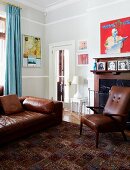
(62, 148)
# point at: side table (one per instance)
(80, 104)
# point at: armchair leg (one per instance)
(81, 125)
(124, 136)
(97, 138)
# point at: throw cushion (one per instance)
(38, 105)
(11, 104)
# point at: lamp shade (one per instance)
(77, 80)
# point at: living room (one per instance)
(62, 24)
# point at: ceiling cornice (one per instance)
(55, 6)
(27, 3)
(51, 7)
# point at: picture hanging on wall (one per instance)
(31, 51)
(82, 45)
(82, 59)
(115, 36)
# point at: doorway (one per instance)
(61, 71)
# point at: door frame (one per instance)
(51, 62)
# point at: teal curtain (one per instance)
(13, 75)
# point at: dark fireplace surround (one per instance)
(103, 83)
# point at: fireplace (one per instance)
(103, 83)
(105, 86)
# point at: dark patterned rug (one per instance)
(62, 148)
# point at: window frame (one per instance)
(2, 34)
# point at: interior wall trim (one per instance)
(26, 77)
(34, 21)
(105, 5)
(66, 19)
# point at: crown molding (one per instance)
(51, 7)
(33, 21)
(31, 5)
(104, 5)
(57, 5)
(66, 19)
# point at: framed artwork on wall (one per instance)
(31, 51)
(115, 36)
(82, 45)
(112, 65)
(82, 59)
(101, 66)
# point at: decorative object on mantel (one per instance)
(123, 65)
(112, 65)
(110, 60)
(95, 66)
(31, 51)
(101, 66)
(115, 36)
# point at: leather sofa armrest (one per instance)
(1, 90)
(21, 99)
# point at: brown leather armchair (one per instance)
(114, 114)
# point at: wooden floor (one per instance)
(73, 117)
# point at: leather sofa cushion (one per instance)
(11, 104)
(38, 105)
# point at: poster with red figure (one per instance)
(115, 36)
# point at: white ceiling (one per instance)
(44, 5)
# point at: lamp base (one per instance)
(77, 95)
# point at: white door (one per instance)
(61, 70)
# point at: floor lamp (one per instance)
(77, 80)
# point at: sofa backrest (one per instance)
(1, 90)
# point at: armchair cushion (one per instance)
(10, 104)
(39, 105)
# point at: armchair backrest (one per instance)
(118, 102)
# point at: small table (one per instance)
(80, 103)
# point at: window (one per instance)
(2, 50)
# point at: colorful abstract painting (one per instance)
(115, 36)
(31, 51)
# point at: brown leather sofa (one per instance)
(1, 90)
(25, 115)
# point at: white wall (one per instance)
(66, 24)
(114, 10)
(74, 22)
(35, 80)
(82, 21)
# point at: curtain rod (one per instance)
(7, 3)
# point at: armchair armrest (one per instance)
(95, 109)
(107, 114)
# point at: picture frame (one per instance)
(31, 51)
(115, 29)
(82, 59)
(101, 66)
(112, 65)
(123, 65)
(82, 45)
